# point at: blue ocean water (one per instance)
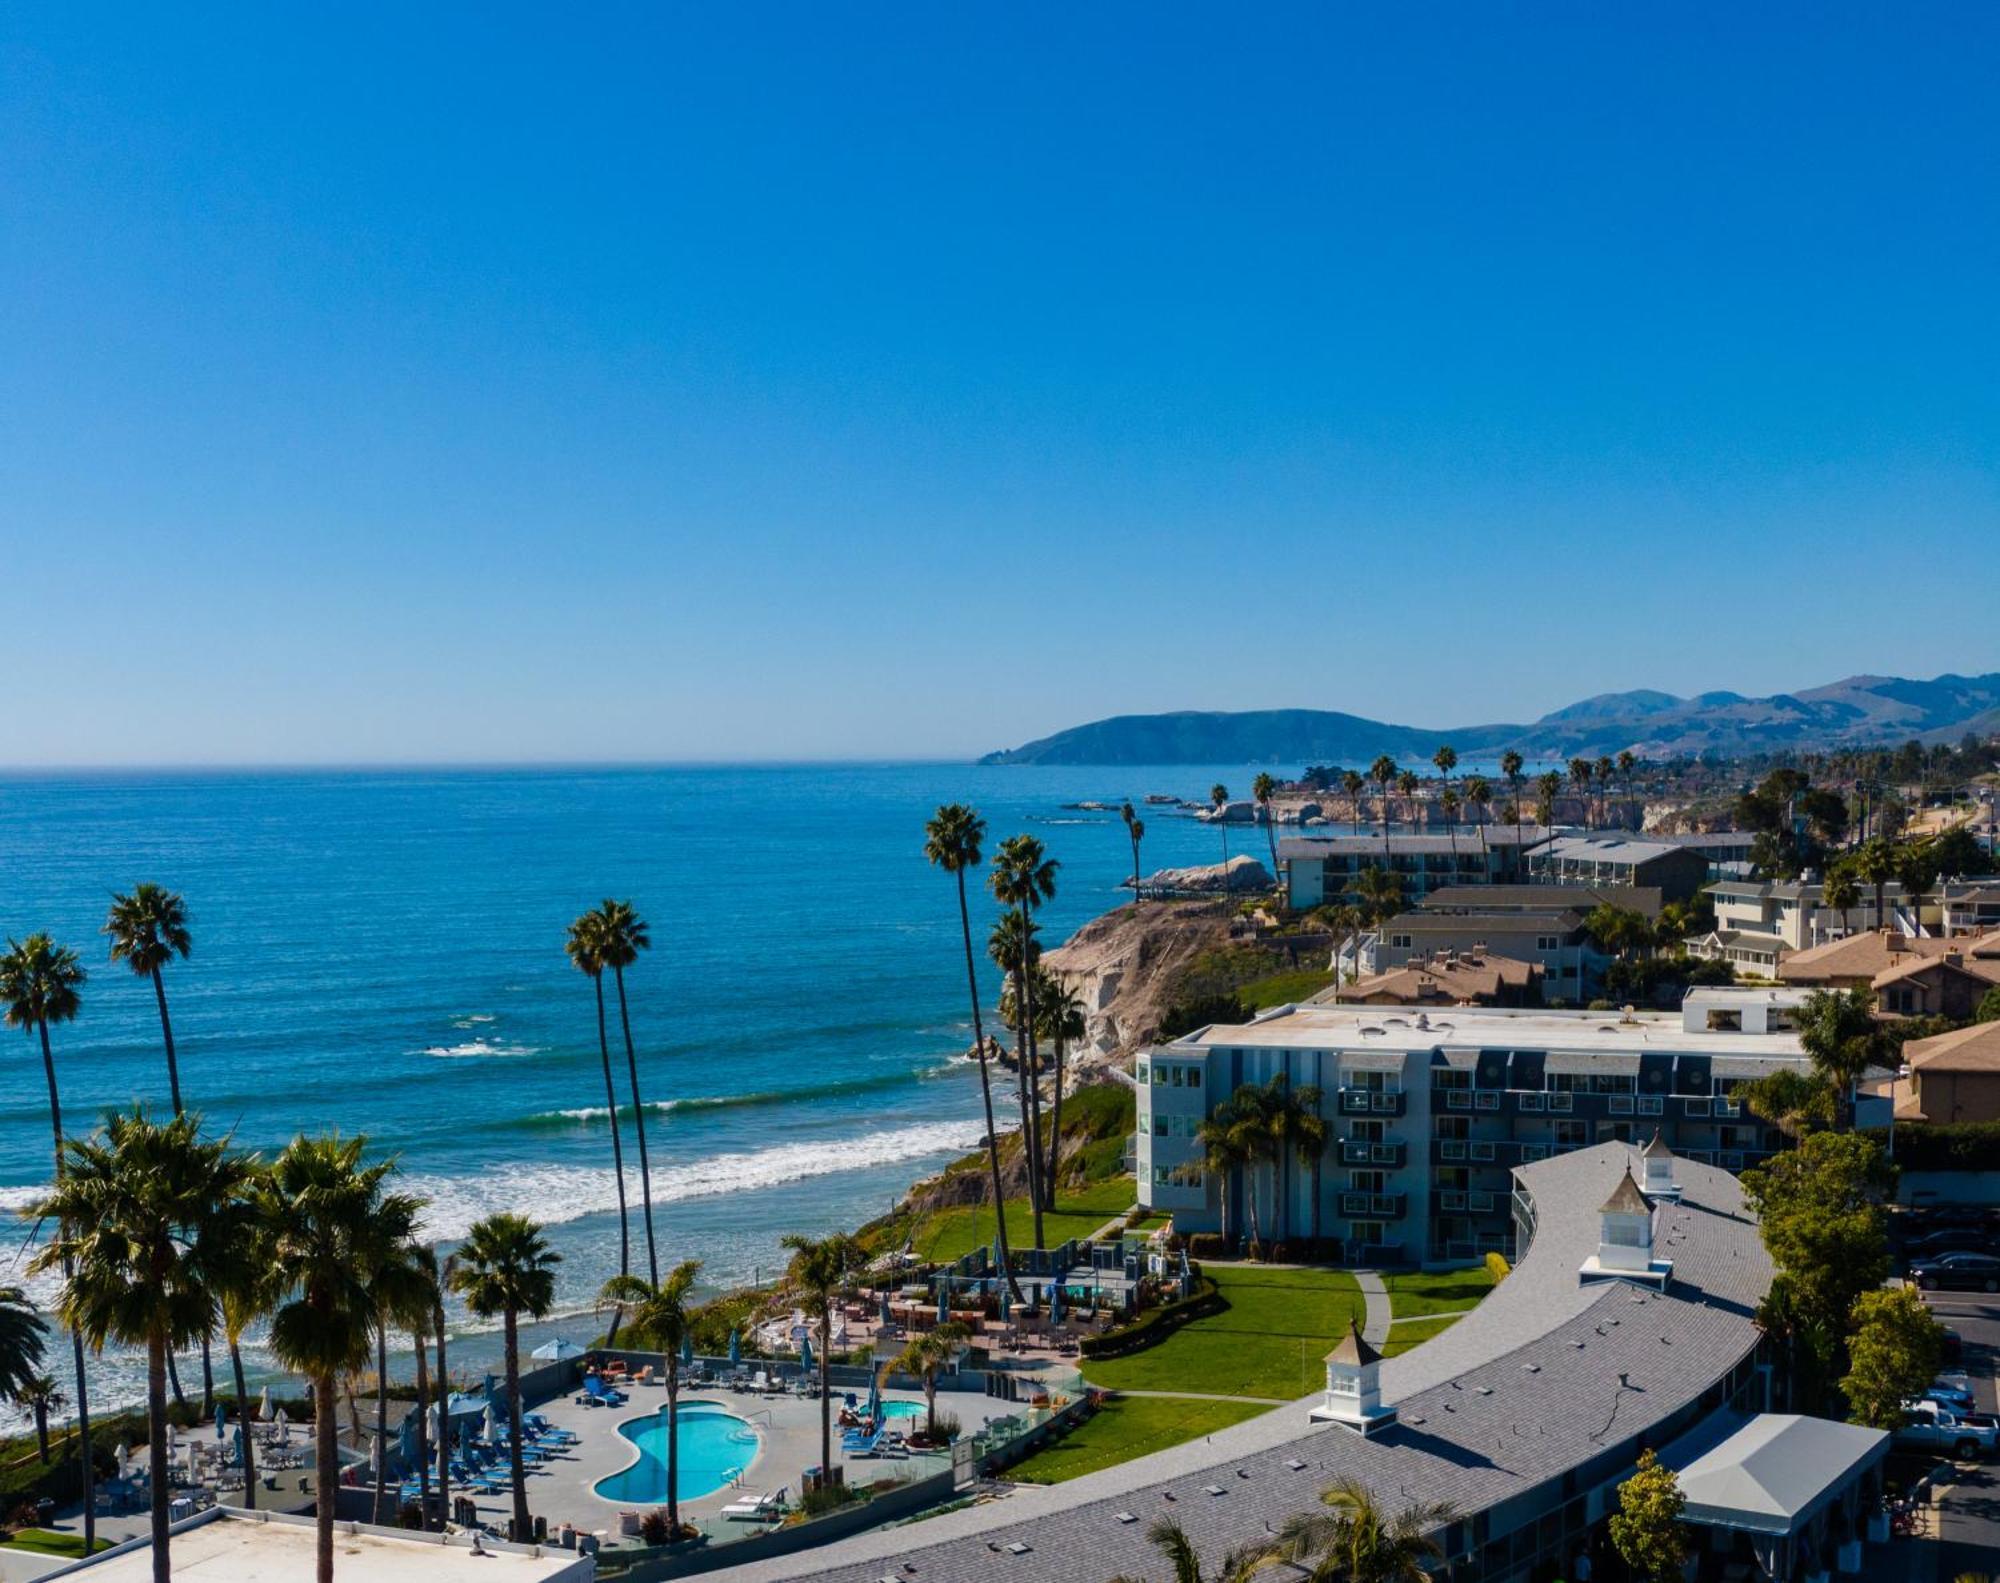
(382, 953)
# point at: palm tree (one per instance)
(1479, 798)
(821, 1268)
(1446, 760)
(1343, 921)
(41, 984)
(1448, 801)
(1230, 1141)
(1875, 864)
(952, 841)
(401, 1295)
(1351, 782)
(241, 1301)
(1838, 1032)
(1358, 1541)
(1842, 892)
(585, 947)
(1627, 762)
(1171, 1540)
(151, 1224)
(447, 1270)
(1603, 768)
(1015, 951)
(621, 934)
(1579, 779)
(927, 1355)
(662, 1314)
(506, 1269)
(41, 1396)
(1130, 817)
(1510, 766)
(1918, 871)
(148, 929)
(1383, 773)
(1548, 786)
(1299, 1129)
(327, 1215)
(1407, 786)
(1024, 876)
(1264, 788)
(414, 1303)
(1218, 796)
(21, 1347)
(1378, 892)
(1063, 1021)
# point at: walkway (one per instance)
(1211, 1396)
(1376, 1315)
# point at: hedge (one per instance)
(1156, 1324)
(1944, 1145)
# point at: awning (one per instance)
(1773, 1474)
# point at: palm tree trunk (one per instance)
(673, 1443)
(1055, 1125)
(42, 1428)
(1223, 825)
(444, 1421)
(174, 1380)
(75, 1335)
(423, 1430)
(523, 1523)
(1135, 871)
(1032, 1072)
(156, 1453)
(167, 1034)
(1271, 835)
(174, 1089)
(243, 1418)
(326, 1474)
(617, 1155)
(639, 1123)
(1021, 1093)
(825, 1397)
(381, 1415)
(986, 1082)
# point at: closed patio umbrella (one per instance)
(221, 1419)
(687, 1351)
(1055, 1303)
(805, 1352)
(264, 1404)
(887, 1317)
(1006, 1306)
(944, 1301)
(735, 1348)
(491, 1428)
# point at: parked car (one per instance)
(1957, 1272)
(1953, 1395)
(1963, 1239)
(1933, 1428)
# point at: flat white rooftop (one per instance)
(226, 1546)
(1315, 1027)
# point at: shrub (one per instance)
(1496, 1266)
(1156, 1324)
(948, 1428)
(1205, 1245)
(654, 1529)
(1945, 1145)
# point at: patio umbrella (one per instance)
(279, 1418)
(559, 1350)
(221, 1419)
(887, 1317)
(490, 1429)
(1055, 1303)
(1005, 1304)
(687, 1351)
(805, 1352)
(406, 1440)
(735, 1348)
(944, 1301)
(237, 1462)
(264, 1404)
(124, 1456)
(875, 1397)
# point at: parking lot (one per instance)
(1969, 1508)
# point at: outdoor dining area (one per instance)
(205, 1464)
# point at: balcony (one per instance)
(1372, 1206)
(1458, 1099)
(1621, 1105)
(1530, 1104)
(1651, 1105)
(1486, 1099)
(1391, 1152)
(1371, 1102)
(1561, 1104)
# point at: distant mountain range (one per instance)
(1860, 710)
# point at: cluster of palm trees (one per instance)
(1586, 774)
(165, 1236)
(1354, 1539)
(1259, 1127)
(1036, 1005)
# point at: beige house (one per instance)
(1452, 978)
(1954, 1077)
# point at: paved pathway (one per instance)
(1214, 1396)
(1375, 1320)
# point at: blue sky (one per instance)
(446, 382)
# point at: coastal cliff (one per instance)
(1129, 965)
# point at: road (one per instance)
(1969, 1511)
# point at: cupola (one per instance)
(1354, 1386)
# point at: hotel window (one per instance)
(1194, 1077)
(1451, 1077)
(1452, 1127)
(1572, 1134)
(1144, 1074)
(1548, 942)
(1160, 1129)
(1399, 942)
(1613, 1083)
(1159, 1074)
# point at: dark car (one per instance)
(1951, 1346)
(1958, 1239)
(1958, 1272)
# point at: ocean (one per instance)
(381, 952)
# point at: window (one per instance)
(1399, 942)
(1159, 1075)
(1572, 1134)
(1144, 1073)
(1624, 1232)
(1160, 1126)
(1548, 942)
(1194, 1077)
(1452, 1077)
(1613, 1083)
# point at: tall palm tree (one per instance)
(662, 1314)
(1579, 779)
(585, 948)
(1016, 952)
(41, 1396)
(1628, 761)
(1446, 760)
(1918, 871)
(447, 1270)
(148, 928)
(1407, 786)
(1171, 1540)
(952, 841)
(1264, 788)
(1602, 769)
(506, 1268)
(413, 1304)
(1063, 1023)
(1548, 786)
(328, 1215)
(1378, 892)
(621, 936)
(21, 1348)
(1875, 864)
(1479, 798)
(1300, 1130)
(1448, 801)
(927, 1355)
(151, 1224)
(1226, 1147)
(1383, 773)
(1841, 892)
(41, 984)
(1343, 921)
(397, 1281)
(1358, 1541)
(1218, 796)
(241, 1300)
(821, 1268)
(1510, 766)
(1136, 828)
(1024, 876)
(1351, 782)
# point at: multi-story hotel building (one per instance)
(1427, 1112)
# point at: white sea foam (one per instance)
(556, 1193)
(473, 1048)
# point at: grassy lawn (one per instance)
(952, 1232)
(1417, 1292)
(1281, 989)
(43, 1542)
(1127, 1427)
(1271, 1341)
(1416, 1332)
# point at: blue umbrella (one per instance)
(1055, 1303)
(221, 1418)
(406, 1442)
(239, 1447)
(944, 1300)
(735, 1349)
(805, 1352)
(687, 1349)
(875, 1397)
(1005, 1304)
(493, 1398)
(887, 1317)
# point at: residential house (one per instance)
(1677, 871)
(1471, 978)
(1317, 869)
(1952, 1077)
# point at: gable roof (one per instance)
(1776, 1471)
(1974, 1049)
(1859, 956)
(1983, 972)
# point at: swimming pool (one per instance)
(715, 1445)
(893, 1408)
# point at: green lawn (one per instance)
(947, 1235)
(1271, 1341)
(1127, 1427)
(1283, 989)
(1416, 1332)
(43, 1542)
(1416, 1292)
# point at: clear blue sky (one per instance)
(850, 380)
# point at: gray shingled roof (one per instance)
(1543, 1376)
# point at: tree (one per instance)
(1579, 779)
(1383, 773)
(927, 1355)
(1343, 921)
(1958, 853)
(328, 1217)
(151, 1224)
(1988, 1009)
(1298, 1127)
(1892, 1356)
(1510, 766)
(1218, 799)
(22, 1382)
(1063, 1023)
(398, 1282)
(585, 949)
(1225, 1148)
(1135, 828)
(621, 934)
(41, 1396)
(1378, 892)
(506, 1269)
(1171, 1540)
(1446, 760)
(662, 1314)
(1407, 787)
(1351, 782)
(1875, 864)
(1918, 871)
(1627, 762)
(1548, 785)
(1479, 798)
(417, 1301)
(1358, 1540)
(1601, 770)
(1017, 953)
(1619, 931)
(1647, 1530)
(1841, 891)
(1024, 876)
(952, 840)
(41, 984)
(821, 1268)
(148, 929)
(1264, 788)
(1837, 1030)
(447, 1271)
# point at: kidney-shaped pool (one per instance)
(715, 1446)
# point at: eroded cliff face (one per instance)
(1127, 967)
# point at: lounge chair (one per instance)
(766, 1508)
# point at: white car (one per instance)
(1935, 1428)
